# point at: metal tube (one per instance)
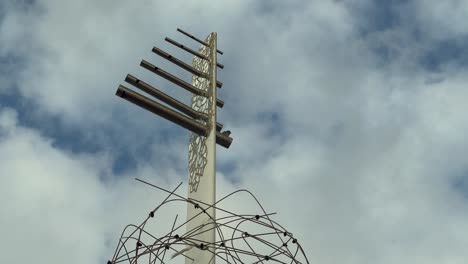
(219, 103)
(177, 44)
(187, 86)
(183, 65)
(161, 110)
(197, 39)
(168, 99)
(165, 98)
(223, 140)
(179, 63)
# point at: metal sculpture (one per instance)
(240, 238)
(210, 233)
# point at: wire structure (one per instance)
(241, 238)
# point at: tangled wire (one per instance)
(240, 238)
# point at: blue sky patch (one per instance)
(446, 52)
(460, 184)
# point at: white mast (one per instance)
(202, 162)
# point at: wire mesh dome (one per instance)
(240, 237)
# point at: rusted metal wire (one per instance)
(241, 238)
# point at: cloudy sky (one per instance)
(349, 119)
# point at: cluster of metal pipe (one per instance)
(176, 111)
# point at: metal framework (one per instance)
(240, 238)
(192, 118)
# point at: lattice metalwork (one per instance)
(241, 238)
(198, 151)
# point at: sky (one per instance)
(348, 118)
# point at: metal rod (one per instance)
(219, 103)
(177, 44)
(171, 115)
(187, 86)
(165, 98)
(223, 140)
(179, 63)
(161, 110)
(183, 65)
(168, 99)
(197, 39)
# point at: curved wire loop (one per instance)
(241, 238)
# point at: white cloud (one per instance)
(51, 200)
(441, 19)
(64, 206)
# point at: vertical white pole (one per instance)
(206, 187)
